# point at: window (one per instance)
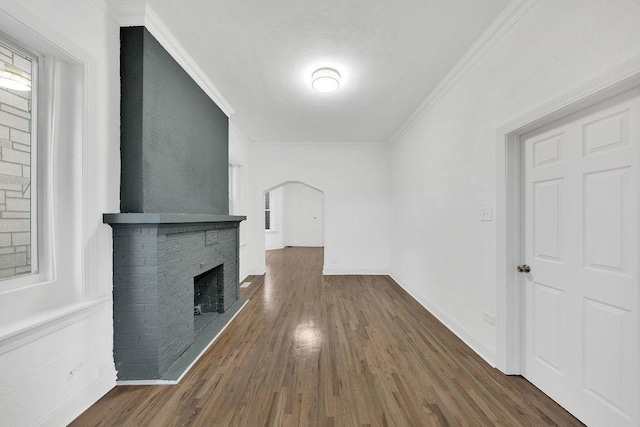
(236, 195)
(234, 189)
(267, 211)
(60, 182)
(18, 194)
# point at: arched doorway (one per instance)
(294, 215)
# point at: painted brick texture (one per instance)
(154, 271)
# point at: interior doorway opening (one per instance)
(293, 216)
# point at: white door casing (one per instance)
(581, 326)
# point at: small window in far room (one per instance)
(267, 211)
(17, 161)
(233, 189)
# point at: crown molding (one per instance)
(133, 13)
(507, 18)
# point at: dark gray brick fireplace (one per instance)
(175, 246)
(157, 260)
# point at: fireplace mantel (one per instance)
(167, 218)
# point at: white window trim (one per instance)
(237, 206)
(235, 190)
(79, 252)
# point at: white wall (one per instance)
(303, 215)
(56, 352)
(443, 167)
(274, 237)
(355, 182)
(239, 155)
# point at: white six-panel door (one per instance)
(581, 299)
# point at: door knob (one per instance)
(524, 268)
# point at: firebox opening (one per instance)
(208, 291)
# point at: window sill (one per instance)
(18, 334)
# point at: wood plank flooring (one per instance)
(332, 351)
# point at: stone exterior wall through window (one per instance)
(15, 172)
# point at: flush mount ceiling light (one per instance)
(325, 80)
(13, 78)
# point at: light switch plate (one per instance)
(486, 214)
(490, 318)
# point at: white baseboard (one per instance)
(354, 271)
(147, 382)
(460, 331)
(255, 272)
(79, 403)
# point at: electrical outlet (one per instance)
(489, 318)
(486, 214)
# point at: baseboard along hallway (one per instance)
(332, 350)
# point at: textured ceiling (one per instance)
(391, 55)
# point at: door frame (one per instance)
(509, 239)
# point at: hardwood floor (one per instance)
(335, 351)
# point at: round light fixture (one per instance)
(12, 78)
(325, 80)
